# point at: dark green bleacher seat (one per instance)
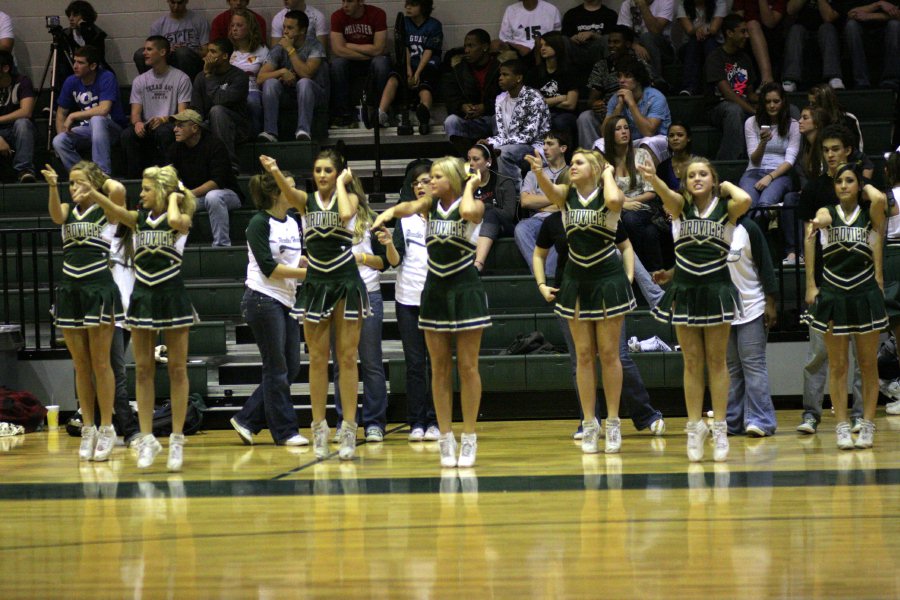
(216, 300)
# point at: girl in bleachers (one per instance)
(498, 194)
(333, 299)
(702, 300)
(850, 300)
(159, 301)
(594, 293)
(672, 169)
(808, 164)
(556, 82)
(87, 299)
(453, 301)
(823, 96)
(250, 54)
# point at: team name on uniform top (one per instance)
(854, 235)
(322, 219)
(155, 238)
(81, 230)
(582, 216)
(438, 228)
(702, 228)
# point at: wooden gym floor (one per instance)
(785, 517)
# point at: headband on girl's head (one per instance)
(487, 151)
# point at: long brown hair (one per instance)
(611, 151)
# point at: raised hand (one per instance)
(346, 176)
(50, 175)
(269, 164)
(647, 169)
(535, 161)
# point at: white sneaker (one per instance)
(447, 444)
(374, 434)
(893, 408)
(836, 83)
(337, 435)
(591, 430)
(890, 388)
(417, 434)
(296, 440)
(348, 441)
(755, 431)
(468, 448)
(789, 86)
(613, 436)
(634, 344)
(245, 434)
(106, 441)
(720, 441)
(844, 437)
(658, 427)
(432, 434)
(148, 448)
(176, 452)
(320, 438)
(866, 437)
(88, 442)
(265, 136)
(696, 438)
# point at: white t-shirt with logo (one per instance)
(521, 26)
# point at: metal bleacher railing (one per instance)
(26, 283)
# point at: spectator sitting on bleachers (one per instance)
(823, 96)
(521, 120)
(221, 24)
(16, 128)
(644, 107)
(250, 53)
(201, 160)
(556, 144)
(424, 39)
(642, 214)
(556, 82)
(701, 21)
(498, 193)
(731, 79)
(651, 22)
(763, 18)
(523, 23)
(808, 164)
(359, 51)
(603, 83)
(585, 25)
(812, 18)
(294, 67)
(773, 142)
(470, 89)
(672, 169)
(83, 30)
(156, 95)
(220, 96)
(7, 36)
(318, 24)
(89, 113)
(188, 35)
(880, 18)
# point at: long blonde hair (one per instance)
(454, 170)
(365, 216)
(165, 181)
(597, 162)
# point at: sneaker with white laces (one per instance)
(658, 427)
(106, 441)
(857, 424)
(148, 448)
(88, 442)
(613, 436)
(866, 437)
(447, 443)
(467, 449)
(789, 86)
(591, 431)
(176, 452)
(720, 441)
(416, 434)
(696, 438)
(320, 438)
(348, 441)
(296, 440)
(374, 434)
(337, 435)
(808, 425)
(245, 434)
(432, 434)
(844, 437)
(893, 408)
(836, 83)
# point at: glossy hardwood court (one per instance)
(785, 517)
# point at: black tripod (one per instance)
(56, 50)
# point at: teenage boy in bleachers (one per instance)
(876, 20)
(651, 21)
(318, 24)
(585, 25)
(16, 128)
(523, 23)
(188, 35)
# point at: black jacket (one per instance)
(460, 87)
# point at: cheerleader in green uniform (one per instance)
(701, 301)
(87, 299)
(594, 293)
(850, 300)
(333, 295)
(453, 304)
(159, 302)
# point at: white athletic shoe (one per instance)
(844, 437)
(720, 441)
(696, 438)
(432, 434)
(148, 448)
(296, 440)
(176, 452)
(658, 427)
(320, 433)
(447, 444)
(467, 449)
(348, 441)
(591, 430)
(106, 441)
(417, 434)
(866, 437)
(613, 436)
(88, 442)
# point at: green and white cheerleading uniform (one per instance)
(702, 293)
(891, 267)
(271, 242)
(332, 274)
(849, 297)
(87, 296)
(594, 285)
(159, 300)
(453, 298)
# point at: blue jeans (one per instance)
(854, 31)
(760, 201)
(645, 237)
(217, 203)
(829, 51)
(473, 129)
(419, 405)
(729, 118)
(231, 127)
(98, 136)
(789, 224)
(644, 280)
(124, 417)
(374, 410)
(512, 157)
(255, 110)
(152, 149)
(815, 378)
(342, 69)
(695, 54)
(20, 136)
(749, 396)
(635, 397)
(309, 95)
(526, 235)
(277, 335)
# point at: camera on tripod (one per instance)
(54, 27)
